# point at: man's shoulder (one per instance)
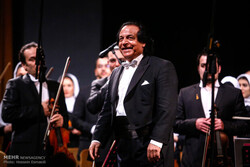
(16, 81)
(229, 88)
(157, 59)
(100, 82)
(189, 88)
(157, 62)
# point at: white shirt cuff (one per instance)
(95, 141)
(158, 144)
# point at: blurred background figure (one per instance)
(248, 72)
(231, 80)
(99, 86)
(82, 118)
(6, 128)
(102, 69)
(112, 58)
(244, 80)
(71, 90)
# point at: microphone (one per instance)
(105, 51)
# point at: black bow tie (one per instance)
(132, 64)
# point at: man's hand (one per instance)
(94, 149)
(203, 124)
(218, 124)
(153, 153)
(57, 120)
(7, 128)
(76, 132)
(46, 108)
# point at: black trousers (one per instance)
(132, 146)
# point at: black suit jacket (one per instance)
(97, 95)
(230, 103)
(150, 100)
(22, 108)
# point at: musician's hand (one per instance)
(153, 153)
(218, 124)
(57, 120)
(203, 124)
(46, 109)
(76, 132)
(94, 149)
(7, 128)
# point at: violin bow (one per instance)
(4, 71)
(49, 72)
(47, 132)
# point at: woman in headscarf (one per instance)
(71, 91)
(244, 82)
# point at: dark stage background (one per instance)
(81, 29)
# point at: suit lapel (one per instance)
(30, 85)
(219, 96)
(116, 79)
(138, 73)
(198, 99)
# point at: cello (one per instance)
(58, 137)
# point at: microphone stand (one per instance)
(211, 61)
(40, 70)
(212, 69)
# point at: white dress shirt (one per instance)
(45, 91)
(206, 97)
(125, 79)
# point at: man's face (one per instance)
(128, 42)
(113, 62)
(202, 68)
(102, 69)
(30, 61)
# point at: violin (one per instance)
(221, 143)
(58, 137)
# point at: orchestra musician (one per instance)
(193, 113)
(29, 116)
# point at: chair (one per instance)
(84, 161)
(74, 151)
(2, 164)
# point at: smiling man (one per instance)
(140, 104)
